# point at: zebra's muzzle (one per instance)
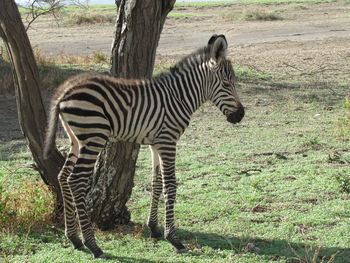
(236, 116)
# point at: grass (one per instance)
(274, 188)
(270, 189)
(89, 18)
(252, 15)
(343, 122)
(261, 15)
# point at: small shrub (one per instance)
(99, 57)
(312, 143)
(342, 125)
(42, 60)
(89, 19)
(230, 16)
(311, 254)
(260, 15)
(25, 206)
(344, 182)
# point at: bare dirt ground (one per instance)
(310, 38)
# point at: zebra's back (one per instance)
(98, 106)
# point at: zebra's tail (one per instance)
(50, 138)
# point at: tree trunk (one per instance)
(138, 28)
(31, 111)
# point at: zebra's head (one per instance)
(222, 91)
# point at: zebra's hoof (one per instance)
(76, 241)
(178, 246)
(103, 256)
(155, 233)
(181, 250)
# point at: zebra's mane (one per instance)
(200, 55)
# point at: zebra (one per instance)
(93, 108)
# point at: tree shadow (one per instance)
(196, 242)
(304, 91)
(273, 248)
(51, 76)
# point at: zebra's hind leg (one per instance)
(78, 182)
(70, 217)
(68, 203)
(167, 153)
(156, 191)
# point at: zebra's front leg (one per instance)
(167, 153)
(157, 187)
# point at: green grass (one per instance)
(270, 189)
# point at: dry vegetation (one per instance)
(27, 207)
(89, 18)
(260, 14)
(54, 70)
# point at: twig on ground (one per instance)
(248, 171)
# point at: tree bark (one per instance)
(138, 28)
(31, 111)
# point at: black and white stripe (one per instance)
(93, 108)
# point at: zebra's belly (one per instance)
(145, 137)
(141, 131)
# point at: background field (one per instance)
(274, 188)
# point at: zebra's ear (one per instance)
(218, 45)
(212, 39)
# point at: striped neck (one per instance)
(188, 82)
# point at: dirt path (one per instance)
(180, 36)
(309, 36)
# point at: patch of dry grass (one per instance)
(53, 69)
(25, 206)
(64, 59)
(261, 15)
(252, 15)
(89, 18)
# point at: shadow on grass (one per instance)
(130, 259)
(303, 91)
(274, 248)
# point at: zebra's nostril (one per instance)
(236, 116)
(241, 112)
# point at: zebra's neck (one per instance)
(187, 83)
